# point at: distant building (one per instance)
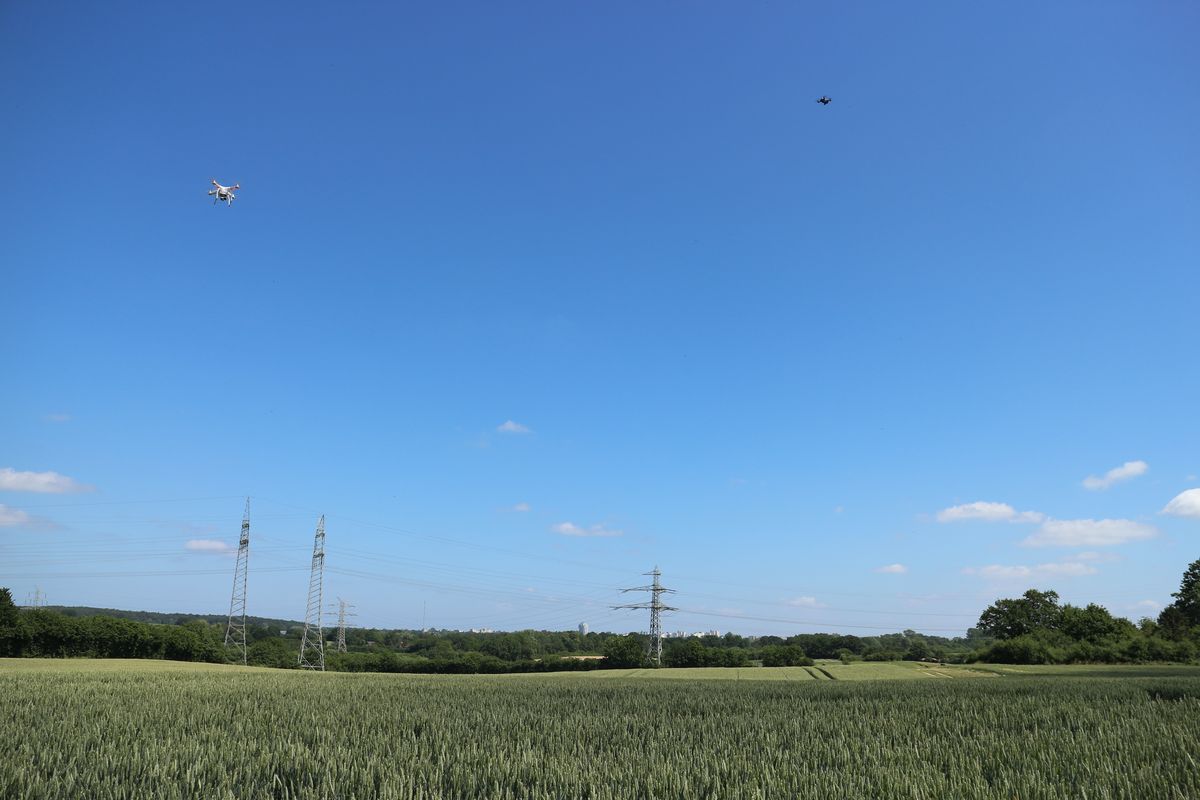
(583, 629)
(482, 630)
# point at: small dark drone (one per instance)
(824, 99)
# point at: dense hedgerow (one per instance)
(231, 733)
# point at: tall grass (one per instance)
(232, 733)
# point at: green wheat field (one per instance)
(141, 729)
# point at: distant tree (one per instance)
(728, 657)
(784, 655)
(625, 652)
(1018, 650)
(1090, 624)
(687, 653)
(977, 637)
(1173, 623)
(1187, 599)
(1033, 611)
(918, 650)
(8, 609)
(733, 640)
(276, 652)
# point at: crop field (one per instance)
(821, 671)
(105, 730)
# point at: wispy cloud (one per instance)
(1092, 555)
(988, 512)
(44, 482)
(1147, 606)
(10, 516)
(58, 417)
(805, 602)
(521, 508)
(892, 569)
(1128, 470)
(209, 546)
(571, 529)
(508, 426)
(1184, 504)
(1089, 533)
(1017, 571)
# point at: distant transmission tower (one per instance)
(656, 608)
(312, 646)
(235, 631)
(37, 599)
(342, 614)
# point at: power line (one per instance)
(150, 573)
(134, 502)
(656, 608)
(450, 540)
(795, 621)
(312, 645)
(36, 598)
(342, 614)
(235, 632)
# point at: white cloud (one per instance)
(805, 602)
(1092, 555)
(893, 569)
(1005, 572)
(1089, 533)
(988, 512)
(571, 529)
(13, 516)
(1130, 469)
(57, 418)
(512, 427)
(521, 508)
(1184, 504)
(44, 482)
(209, 546)
(1145, 605)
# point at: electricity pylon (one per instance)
(235, 632)
(312, 646)
(342, 614)
(656, 608)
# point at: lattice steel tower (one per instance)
(235, 632)
(312, 646)
(656, 608)
(342, 614)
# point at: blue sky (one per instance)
(767, 345)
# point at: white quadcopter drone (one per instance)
(223, 193)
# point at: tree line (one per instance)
(1032, 629)
(1035, 629)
